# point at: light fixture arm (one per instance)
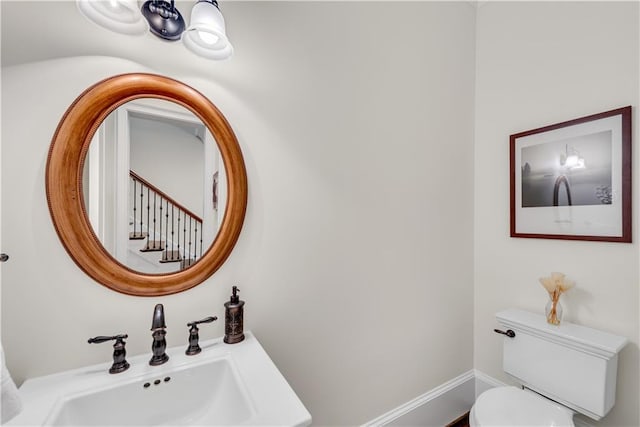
(165, 21)
(160, 7)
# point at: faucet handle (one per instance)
(100, 339)
(205, 320)
(120, 363)
(194, 347)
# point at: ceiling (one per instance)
(48, 29)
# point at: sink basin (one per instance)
(223, 385)
(211, 393)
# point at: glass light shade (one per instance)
(206, 35)
(572, 161)
(121, 16)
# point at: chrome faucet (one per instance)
(159, 343)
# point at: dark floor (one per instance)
(463, 421)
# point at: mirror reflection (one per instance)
(154, 186)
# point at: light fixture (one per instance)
(571, 159)
(574, 162)
(205, 36)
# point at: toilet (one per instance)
(563, 370)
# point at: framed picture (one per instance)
(215, 190)
(572, 180)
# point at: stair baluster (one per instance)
(141, 212)
(173, 242)
(135, 208)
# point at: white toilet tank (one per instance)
(571, 364)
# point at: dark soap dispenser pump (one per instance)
(233, 319)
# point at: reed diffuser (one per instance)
(556, 285)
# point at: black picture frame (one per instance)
(572, 180)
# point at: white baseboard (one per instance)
(445, 403)
(484, 382)
(436, 407)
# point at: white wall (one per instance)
(356, 257)
(540, 63)
(171, 158)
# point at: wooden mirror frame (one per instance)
(64, 169)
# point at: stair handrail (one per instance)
(163, 194)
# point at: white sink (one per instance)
(210, 393)
(226, 384)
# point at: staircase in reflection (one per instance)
(161, 230)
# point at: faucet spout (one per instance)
(158, 318)
(159, 343)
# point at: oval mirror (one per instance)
(105, 211)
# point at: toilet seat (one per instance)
(511, 406)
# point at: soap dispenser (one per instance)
(233, 322)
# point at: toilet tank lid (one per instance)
(580, 337)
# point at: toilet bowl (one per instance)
(512, 406)
(563, 370)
